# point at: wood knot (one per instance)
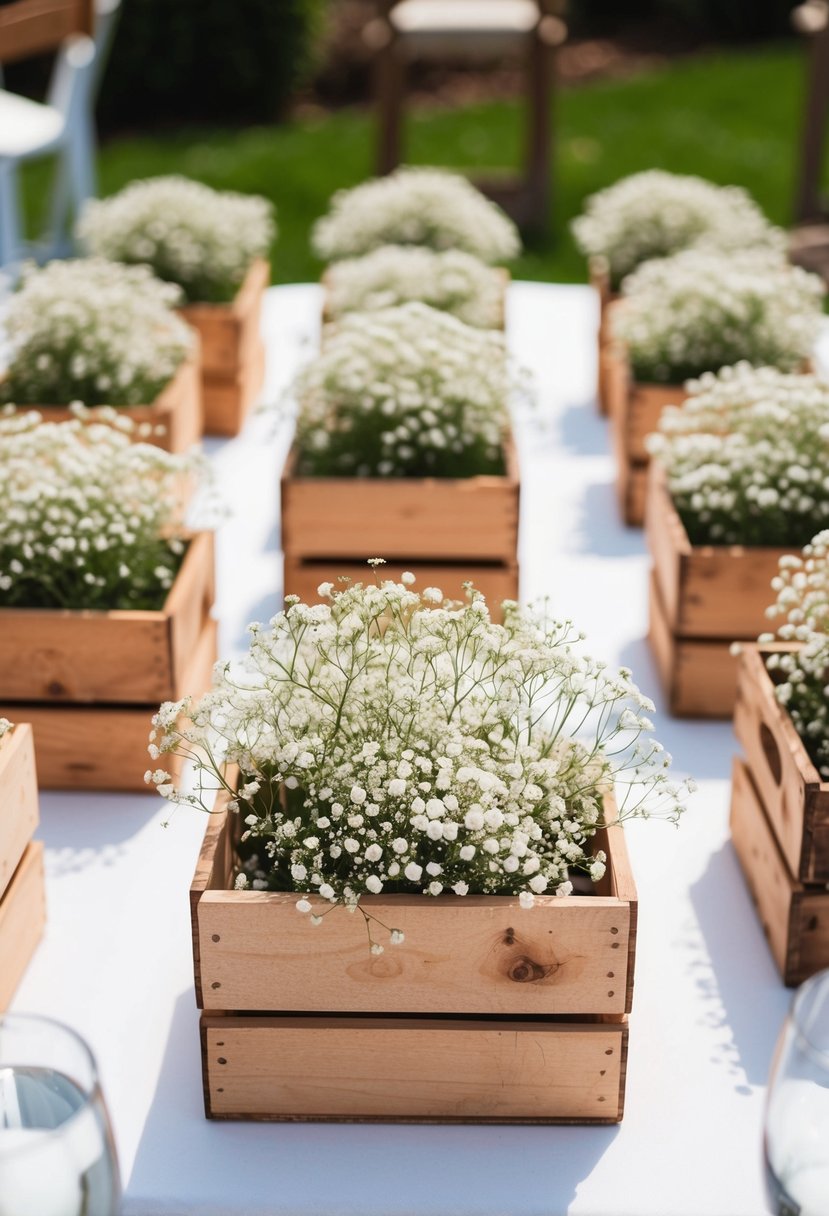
(509, 937)
(524, 970)
(55, 689)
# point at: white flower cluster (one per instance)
(415, 206)
(201, 239)
(656, 214)
(747, 456)
(5, 726)
(800, 675)
(700, 311)
(451, 281)
(90, 519)
(390, 744)
(406, 391)
(92, 331)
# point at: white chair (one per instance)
(62, 126)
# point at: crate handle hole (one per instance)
(772, 752)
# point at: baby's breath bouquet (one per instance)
(452, 281)
(5, 727)
(389, 741)
(655, 214)
(93, 331)
(415, 206)
(747, 456)
(404, 392)
(699, 311)
(801, 675)
(201, 239)
(91, 520)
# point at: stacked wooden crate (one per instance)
(22, 894)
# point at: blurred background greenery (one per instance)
(273, 97)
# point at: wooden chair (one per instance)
(474, 31)
(63, 125)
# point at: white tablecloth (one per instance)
(115, 962)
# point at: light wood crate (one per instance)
(102, 746)
(174, 421)
(794, 798)
(600, 282)
(703, 598)
(233, 353)
(487, 1012)
(22, 917)
(635, 410)
(123, 657)
(19, 813)
(431, 519)
(795, 918)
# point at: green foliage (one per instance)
(202, 60)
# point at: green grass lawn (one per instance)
(731, 116)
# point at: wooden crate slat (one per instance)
(698, 675)
(472, 955)
(115, 657)
(708, 591)
(228, 401)
(411, 1070)
(497, 583)
(470, 518)
(226, 330)
(19, 809)
(104, 747)
(22, 917)
(794, 797)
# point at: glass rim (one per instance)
(89, 1091)
(821, 1054)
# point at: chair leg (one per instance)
(539, 133)
(808, 201)
(389, 74)
(11, 233)
(81, 174)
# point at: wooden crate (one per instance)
(795, 918)
(22, 917)
(794, 798)
(703, 598)
(503, 1014)
(19, 813)
(233, 353)
(497, 582)
(635, 410)
(432, 519)
(104, 747)
(123, 657)
(173, 422)
(600, 282)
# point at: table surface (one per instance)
(115, 962)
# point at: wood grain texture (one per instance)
(795, 918)
(19, 810)
(477, 954)
(104, 747)
(122, 657)
(174, 421)
(794, 798)
(410, 1070)
(496, 582)
(708, 591)
(405, 518)
(698, 675)
(22, 917)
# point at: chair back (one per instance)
(30, 27)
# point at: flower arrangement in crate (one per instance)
(403, 447)
(450, 280)
(742, 475)
(100, 333)
(22, 897)
(655, 215)
(214, 245)
(780, 796)
(415, 206)
(104, 595)
(694, 313)
(393, 754)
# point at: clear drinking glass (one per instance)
(797, 1111)
(57, 1156)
